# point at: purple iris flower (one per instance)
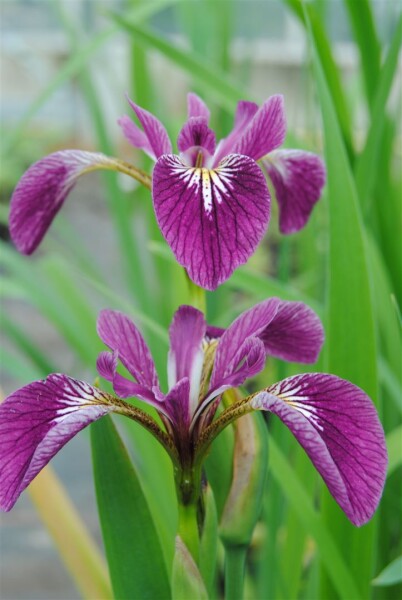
(211, 200)
(334, 421)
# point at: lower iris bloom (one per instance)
(211, 200)
(334, 421)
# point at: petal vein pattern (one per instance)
(212, 219)
(37, 421)
(338, 426)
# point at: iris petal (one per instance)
(212, 219)
(266, 130)
(186, 355)
(298, 178)
(196, 133)
(289, 330)
(119, 333)
(197, 107)
(337, 425)
(155, 132)
(36, 421)
(43, 189)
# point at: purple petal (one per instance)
(119, 333)
(247, 362)
(244, 113)
(196, 107)
(177, 406)
(265, 132)
(42, 190)
(36, 422)
(295, 334)
(212, 219)
(136, 136)
(337, 425)
(186, 355)
(289, 330)
(298, 178)
(106, 364)
(155, 132)
(249, 324)
(214, 333)
(196, 133)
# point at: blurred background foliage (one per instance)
(66, 66)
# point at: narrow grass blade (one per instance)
(212, 79)
(362, 22)
(312, 522)
(350, 345)
(323, 47)
(394, 446)
(135, 557)
(365, 169)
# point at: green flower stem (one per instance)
(188, 528)
(235, 560)
(197, 295)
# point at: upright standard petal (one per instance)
(136, 136)
(36, 422)
(197, 107)
(119, 333)
(186, 355)
(265, 132)
(155, 132)
(289, 330)
(245, 111)
(298, 178)
(338, 426)
(212, 219)
(196, 133)
(43, 189)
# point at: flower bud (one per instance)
(186, 578)
(243, 505)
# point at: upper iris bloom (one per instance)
(334, 421)
(211, 200)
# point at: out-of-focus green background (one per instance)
(65, 67)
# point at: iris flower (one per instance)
(334, 421)
(211, 200)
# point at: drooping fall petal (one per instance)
(214, 219)
(338, 426)
(43, 189)
(298, 178)
(36, 421)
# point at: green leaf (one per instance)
(366, 164)
(391, 575)
(133, 549)
(350, 346)
(361, 19)
(394, 447)
(209, 541)
(332, 75)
